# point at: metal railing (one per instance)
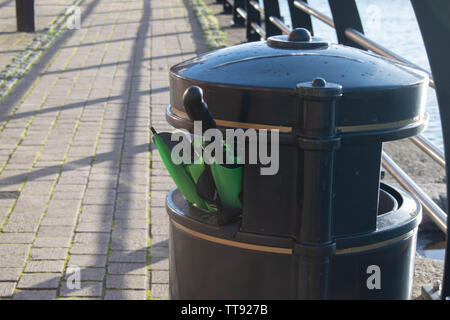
(250, 14)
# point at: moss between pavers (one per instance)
(215, 38)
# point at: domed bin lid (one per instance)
(254, 85)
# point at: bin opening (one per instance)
(387, 201)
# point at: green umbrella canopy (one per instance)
(228, 181)
(178, 172)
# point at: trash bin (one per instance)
(323, 226)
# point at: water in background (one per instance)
(392, 24)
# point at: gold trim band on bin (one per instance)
(357, 128)
(231, 243)
(378, 126)
(279, 250)
(376, 245)
(234, 124)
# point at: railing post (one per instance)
(227, 8)
(271, 9)
(25, 15)
(432, 17)
(300, 19)
(238, 20)
(253, 16)
(346, 15)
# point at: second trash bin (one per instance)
(323, 226)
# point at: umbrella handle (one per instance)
(197, 109)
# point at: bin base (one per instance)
(211, 262)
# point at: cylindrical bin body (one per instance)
(210, 262)
(322, 226)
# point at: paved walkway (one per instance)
(80, 185)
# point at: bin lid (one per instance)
(254, 84)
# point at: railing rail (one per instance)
(280, 24)
(252, 14)
(312, 12)
(429, 206)
(430, 149)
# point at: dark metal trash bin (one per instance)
(323, 226)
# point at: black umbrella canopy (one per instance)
(255, 83)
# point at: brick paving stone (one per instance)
(95, 218)
(91, 237)
(16, 237)
(12, 261)
(160, 252)
(63, 206)
(87, 289)
(130, 214)
(102, 184)
(44, 266)
(37, 188)
(128, 244)
(138, 223)
(159, 229)
(103, 210)
(94, 226)
(60, 221)
(31, 203)
(89, 248)
(39, 281)
(125, 233)
(128, 256)
(68, 189)
(87, 274)
(10, 274)
(132, 205)
(48, 253)
(22, 226)
(126, 268)
(72, 180)
(125, 295)
(52, 242)
(159, 220)
(31, 218)
(63, 195)
(54, 231)
(160, 241)
(159, 263)
(7, 289)
(100, 199)
(35, 295)
(126, 282)
(14, 249)
(159, 291)
(87, 260)
(159, 277)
